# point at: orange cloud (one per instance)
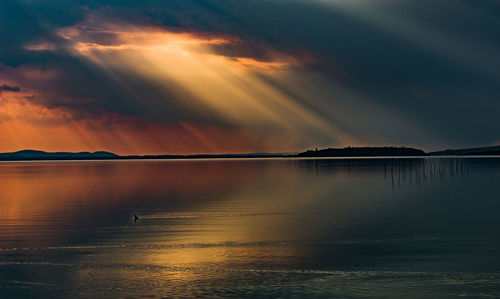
(25, 125)
(43, 46)
(251, 114)
(230, 87)
(132, 39)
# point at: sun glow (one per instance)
(233, 88)
(228, 103)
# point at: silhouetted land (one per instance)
(363, 152)
(486, 153)
(41, 155)
(491, 150)
(32, 155)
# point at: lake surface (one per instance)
(416, 227)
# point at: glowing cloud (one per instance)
(235, 90)
(231, 87)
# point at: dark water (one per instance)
(249, 228)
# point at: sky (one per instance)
(228, 76)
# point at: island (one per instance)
(363, 152)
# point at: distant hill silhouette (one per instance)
(486, 153)
(211, 156)
(31, 155)
(478, 151)
(41, 155)
(363, 152)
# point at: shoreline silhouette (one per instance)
(36, 155)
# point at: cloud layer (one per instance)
(202, 75)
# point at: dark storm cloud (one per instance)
(5, 87)
(434, 63)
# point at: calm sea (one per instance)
(413, 227)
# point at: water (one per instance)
(426, 227)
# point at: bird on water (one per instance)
(135, 218)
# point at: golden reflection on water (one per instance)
(208, 225)
(233, 200)
(30, 192)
